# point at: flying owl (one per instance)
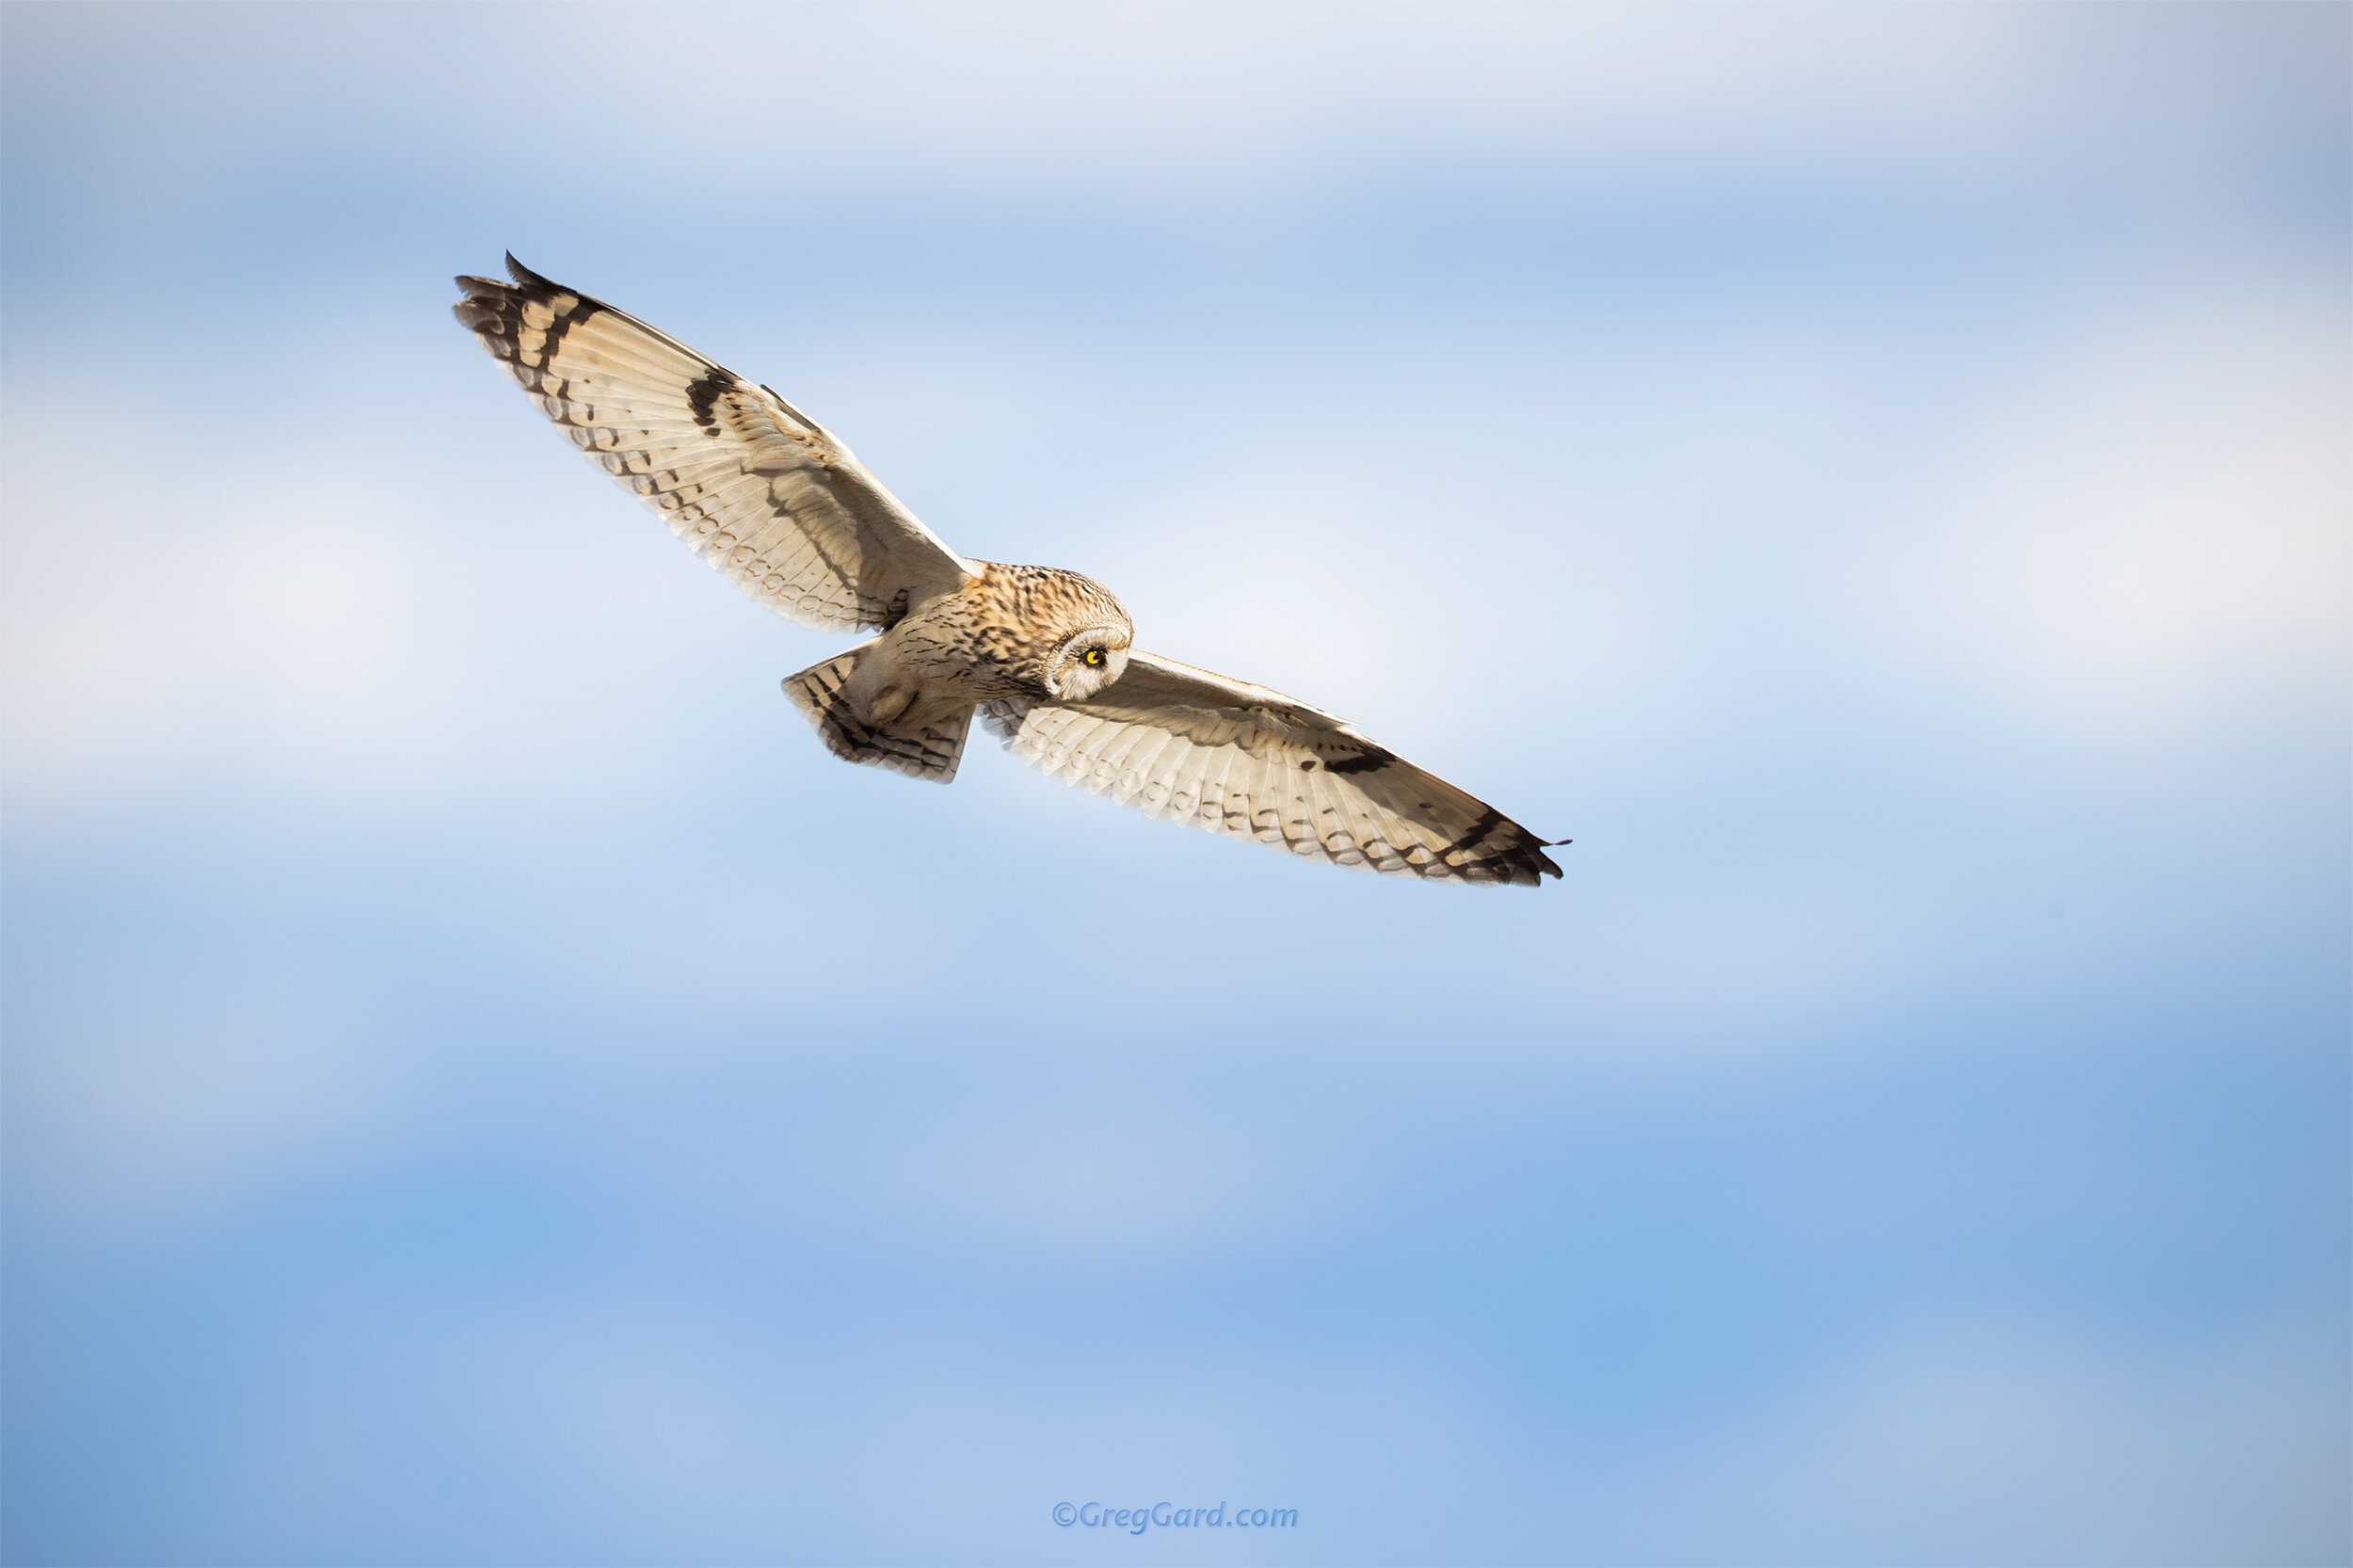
(776, 503)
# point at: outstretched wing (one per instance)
(760, 490)
(1192, 748)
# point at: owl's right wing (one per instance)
(756, 488)
(1192, 748)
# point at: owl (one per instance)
(1047, 658)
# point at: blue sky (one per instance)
(481, 1086)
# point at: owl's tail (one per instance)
(919, 750)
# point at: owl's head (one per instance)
(1068, 633)
(1087, 661)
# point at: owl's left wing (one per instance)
(1192, 748)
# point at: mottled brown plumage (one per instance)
(780, 505)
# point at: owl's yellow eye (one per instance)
(1094, 658)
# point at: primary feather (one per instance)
(757, 488)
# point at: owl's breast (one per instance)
(946, 644)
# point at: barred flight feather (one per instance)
(764, 494)
(1250, 763)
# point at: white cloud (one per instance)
(287, 635)
(168, 1101)
(1144, 103)
(2154, 524)
(1996, 1443)
(1091, 1175)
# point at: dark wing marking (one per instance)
(760, 490)
(1184, 744)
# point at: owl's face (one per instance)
(1060, 632)
(1088, 661)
